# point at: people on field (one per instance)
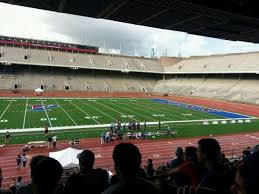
(46, 130)
(49, 140)
(18, 160)
(7, 138)
(24, 160)
(54, 141)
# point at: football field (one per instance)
(28, 113)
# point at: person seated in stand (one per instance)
(179, 159)
(46, 173)
(215, 177)
(127, 161)
(149, 168)
(88, 180)
(188, 172)
(247, 176)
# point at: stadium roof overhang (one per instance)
(225, 19)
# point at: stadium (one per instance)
(75, 92)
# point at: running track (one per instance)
(159, 150)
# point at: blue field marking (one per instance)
(40, 108)
(212, 111)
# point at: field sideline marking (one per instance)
(98, 110)
(46, 112)
(6, 109)
(206, 107)
(66, 113)
(114, 110)
(25, 111)
(84, 112)
(108, 125)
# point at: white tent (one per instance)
(67, 157)
(38, 90)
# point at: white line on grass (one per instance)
(46, 113)
(142, 109)
(25, 111)
(98, 110)
(66, 113)
(84, 112)
(114, 110)
(134, 112)
(6, 109)
(167, 111)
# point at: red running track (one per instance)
(159, 150)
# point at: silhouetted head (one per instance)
(127, 159)
(45, 174)
(208, 150)
(247, 176)
(86, 160)
(190, 154)
(179, 152)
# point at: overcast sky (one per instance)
(131, 39)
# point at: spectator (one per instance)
(19, 183)
(149, 168)
(24, 160)
(54, 140)
(246, 153)
(188, 172)
(127, 160)
(247, 176)
(1, 177)
(28, 188)
(179, 159)
(18, 160)
(223, 158)
(88, 180)
(46, 175)
(209, 155)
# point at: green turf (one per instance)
(17, 113)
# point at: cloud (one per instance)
(109, 35)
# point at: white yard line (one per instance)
(114, 110)
(25, 112)
(135, 107)
(46, 113)
(66, 113)
(6, 109)
(98, 110)
(84, 112)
